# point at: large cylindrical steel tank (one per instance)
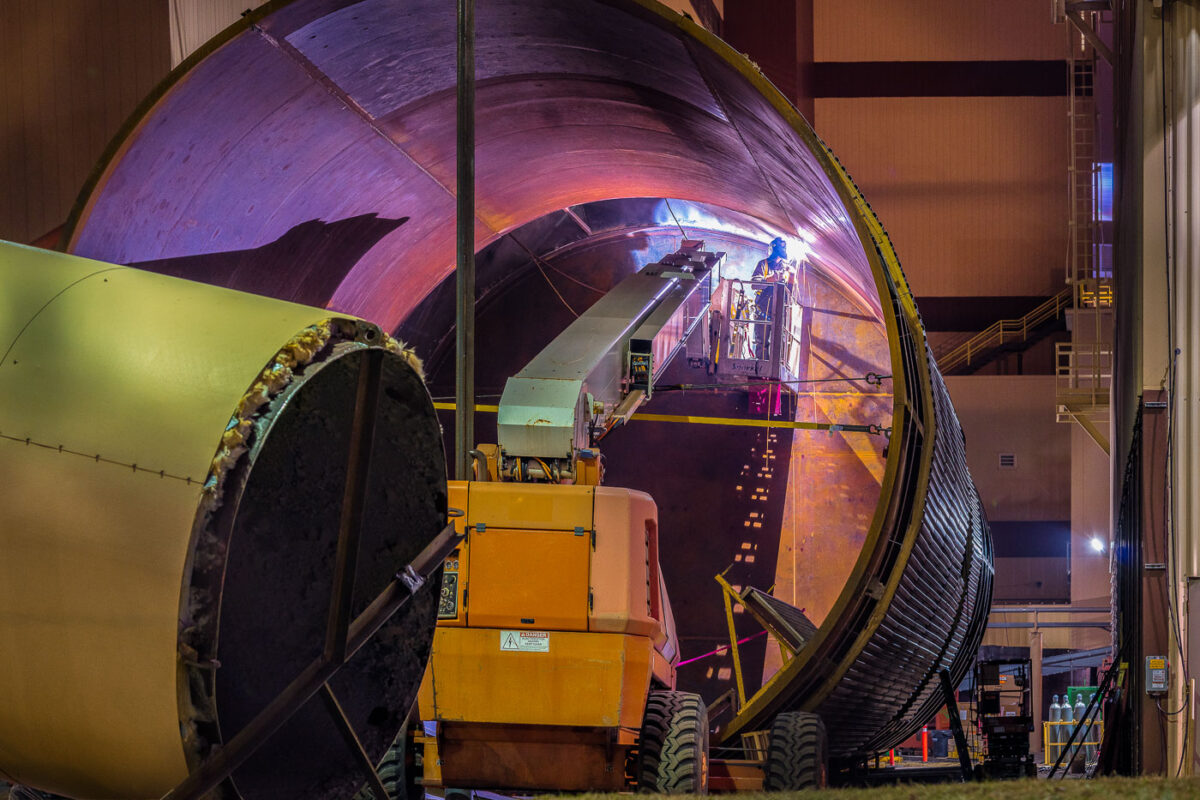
(173, 458)
(308, 153)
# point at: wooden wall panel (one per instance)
(73, 72)
(1015, 414)
(936, 30)
(194, 22)
(972, 190)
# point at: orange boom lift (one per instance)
(553, 663)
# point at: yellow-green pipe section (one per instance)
(117, 387)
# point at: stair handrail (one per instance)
(994, 335)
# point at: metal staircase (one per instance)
(982, 347)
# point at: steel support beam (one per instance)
(464, 415)
(1035, 695)
(1094, 40)
(352, 741)
(1080, 415)
(960, 738)
(358, 470)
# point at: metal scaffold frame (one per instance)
(1083, 366)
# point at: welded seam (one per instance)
(314, 72)
(99, 459)
(540, 264)
(58, 294)
(716, 95)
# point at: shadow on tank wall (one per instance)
(317, 254)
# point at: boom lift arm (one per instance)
(597, 372)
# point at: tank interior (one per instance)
(327, 178)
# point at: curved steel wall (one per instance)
(927, 603)
(309, 153)
(918, 598)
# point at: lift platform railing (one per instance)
(746, 328)
(763, 329)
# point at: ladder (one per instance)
(1084, 365)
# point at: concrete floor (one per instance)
(1099, 789)
(1149, 788)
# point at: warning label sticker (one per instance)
(525, 641)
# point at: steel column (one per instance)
(464, 393)
(1035, 658)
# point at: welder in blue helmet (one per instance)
(775, 268)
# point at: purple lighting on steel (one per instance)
(310, 155)
(328, 111)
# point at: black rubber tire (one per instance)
(398, 772)
(797, 753)
(673, 749)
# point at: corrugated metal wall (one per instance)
(1156, 487)
(934, 30)
(973, 189)
(73, 71)
(1167, 319)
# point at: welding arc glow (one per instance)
(692, 215)
(1097, 544)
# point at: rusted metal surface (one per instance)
(834, 479)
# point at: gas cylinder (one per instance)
(1053, 738)
(1064, 730)
(1080, 710)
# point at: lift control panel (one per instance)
(1157, 674)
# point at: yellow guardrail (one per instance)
(1004, 331)
(1055, 736)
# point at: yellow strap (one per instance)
(734, 421)
(751, 423)
(451, 406)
